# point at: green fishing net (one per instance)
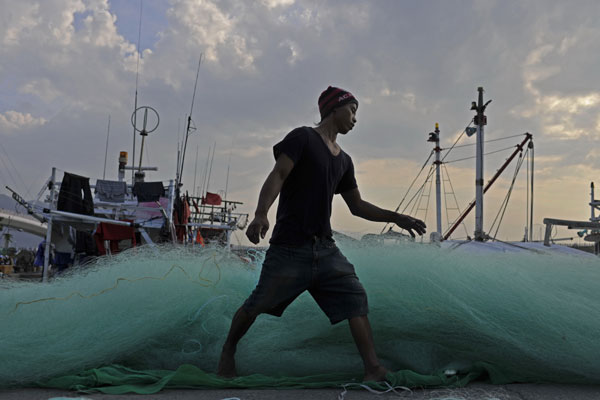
(153, 318)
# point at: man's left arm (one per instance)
(368, 211)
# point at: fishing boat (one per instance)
(482, 240)
(119, 214)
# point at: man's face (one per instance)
(345, 117)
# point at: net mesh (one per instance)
(514, 317)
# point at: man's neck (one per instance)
(328, 131)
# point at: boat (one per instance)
(482, 241)
(118, 215)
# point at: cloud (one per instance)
(65, 65)
(212, 28)
(294, 49)
(12, 121)
(42, 88)
(277, 3)
(565, 112)
(21, 18)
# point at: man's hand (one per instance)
(258, 227)
(409, 223)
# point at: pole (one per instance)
(189, 121)
(434, 137)
(531, 205)
(592, 202)
(438, 191)
(106, 150)
(137, 72)
(211, 165)
(195, 172)
(593, 219)
(205, 173)
(479, 122)
(228, 165)
(49, 231)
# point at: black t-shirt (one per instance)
(305, 200)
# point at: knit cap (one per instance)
(332, 98)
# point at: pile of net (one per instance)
(148, 318)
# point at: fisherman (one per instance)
(310, 168)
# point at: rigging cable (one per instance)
(504, 204)
(410, 186)
(430, 172)
(417, 193)
(428, 200)
(16, 171)
(485, 154)
(455, 202)
(486, 141)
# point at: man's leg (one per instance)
(363, 337)
(239, 326)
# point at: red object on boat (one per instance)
(199, 238)
(212, 199)
(114, 234)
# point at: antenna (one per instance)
(195, 172)
(211, 165)
(135, 107)
(189, 123)
(106, 151)
(228, 165)
(144, 131)
(205, 173)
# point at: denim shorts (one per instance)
(318, 267)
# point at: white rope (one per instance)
(391, 388)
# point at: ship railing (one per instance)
(550, 222)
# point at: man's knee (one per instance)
(247, 314)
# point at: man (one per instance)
(310, 168)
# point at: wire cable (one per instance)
(504, 205)
(486, 154)
(486, 141)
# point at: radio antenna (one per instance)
(137, 72)
(189, 128)
(106, 151)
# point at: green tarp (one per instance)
(116, 379)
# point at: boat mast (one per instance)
(593, 203)
(480, 121)
(435, 138)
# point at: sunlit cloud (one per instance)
(12, 121)
(66, 66)
(560, 113)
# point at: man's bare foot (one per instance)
(226, 368)
(376, 374)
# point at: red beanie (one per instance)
(332, 98)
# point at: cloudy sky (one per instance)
(67, 65)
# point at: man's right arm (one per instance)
(270, 190)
